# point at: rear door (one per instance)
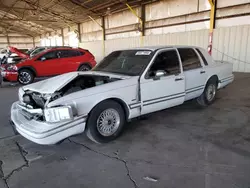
(47, 64)
(69, 60)
(158, 93)
(194, 72)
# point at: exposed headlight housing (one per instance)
(12, 68)
(57, 114)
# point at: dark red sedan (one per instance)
(48, 63)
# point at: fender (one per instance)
(28, 67)
(118, 100)
(211, 77)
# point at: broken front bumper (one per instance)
(42, 132)
(9, 76)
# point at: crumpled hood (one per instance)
(52, 84)
(18, 52)
(56, 83)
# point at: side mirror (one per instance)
(159, 74)
(43, 59)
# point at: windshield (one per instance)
(127, 62)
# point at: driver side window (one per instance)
(166, 61)
(49, 55)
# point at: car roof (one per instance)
(154, 48)
(62, 48)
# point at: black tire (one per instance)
(209, 95)
(25, 76)
(92, 130)
(84, 67)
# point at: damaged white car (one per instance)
(125, 85)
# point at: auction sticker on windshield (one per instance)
(143, 53)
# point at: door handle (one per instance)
(202, 72)
(178, 79)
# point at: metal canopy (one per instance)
(36, 17)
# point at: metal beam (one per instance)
(26, 27)
(50, 12)
(212, 14)
(17, 29)
(103, 36)
(95, 21)
(212, 24)
(79, 31)
(143, 18)
(9, 9)
(103, 28)
(140, 20)
(5, 8)
(62, 36)
(81, 5)
(8, 39)
(27, 20)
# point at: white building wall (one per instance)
(96, 48)
(16, 40)
(233, 44)
(91, 31)
(173, 22)
(170, 8)
(230, 44)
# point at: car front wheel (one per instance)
(105, 122)
(25, 77)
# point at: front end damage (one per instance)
(35, 119)
(43, 132)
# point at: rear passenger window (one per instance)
(80, 53)
(189, 59)
(202, 57)
(69, 53)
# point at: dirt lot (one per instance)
(179, 147)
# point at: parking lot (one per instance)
(185, 146)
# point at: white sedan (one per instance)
(125, 85)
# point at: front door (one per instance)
(163, 83)
(47, 64)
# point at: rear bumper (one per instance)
(9, 76)
(42, 132)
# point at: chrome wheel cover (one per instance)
(108, 122)
(24, 77)
(210, 93)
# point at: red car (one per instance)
(50, 62)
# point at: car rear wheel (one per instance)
(25, 77)
(84, 68)
(105, 122)
(209, 94)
